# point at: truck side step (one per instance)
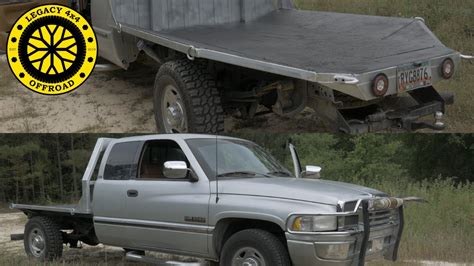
(136, 257)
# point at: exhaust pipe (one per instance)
(105, 67)
(17, 237)
(137, 257)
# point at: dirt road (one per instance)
(109, 102)
(10, 223)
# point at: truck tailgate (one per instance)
(320, 42)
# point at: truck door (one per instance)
(164, 213)
(110, 192)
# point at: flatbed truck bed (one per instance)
(288, 59)
(317, 42)
(61, 210)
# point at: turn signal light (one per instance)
(380, 85)
(447, 68)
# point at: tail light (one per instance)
(380, 85)
(447, 68)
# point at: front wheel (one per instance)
(186, 99)
(43, 239)
(254, 247)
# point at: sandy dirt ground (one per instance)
(109, 102)
(11, 223)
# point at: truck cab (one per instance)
(222, 199)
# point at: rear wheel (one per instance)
(254, 247)
(186, 99)
(43, 239)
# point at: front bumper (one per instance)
(355, 246)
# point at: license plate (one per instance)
(412, 77)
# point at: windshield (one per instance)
(235, 158)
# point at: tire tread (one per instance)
(53, 237)
(200, 89)
(270, 241)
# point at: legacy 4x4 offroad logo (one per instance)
(52, 49)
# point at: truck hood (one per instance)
(318, 191)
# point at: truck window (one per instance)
(122, 161)
(154, 156)
(234, 156)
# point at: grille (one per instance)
(349, 206)
(376, 218)
(379, 218)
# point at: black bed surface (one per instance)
(322, 42)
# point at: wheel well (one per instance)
(227, 227)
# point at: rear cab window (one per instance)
(122, 163)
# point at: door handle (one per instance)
(132, 193)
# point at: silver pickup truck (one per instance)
(222, 199)
(359, 73)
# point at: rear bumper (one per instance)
(362, 90)
(406, 114)
(356, 247)
(405, 119)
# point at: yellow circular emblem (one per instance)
(52, 49)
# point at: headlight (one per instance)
(314, 224)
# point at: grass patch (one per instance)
(442, 229)
(453, 23)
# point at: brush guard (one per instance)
(393, 254)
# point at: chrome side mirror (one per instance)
(312, 172)
(175, 169)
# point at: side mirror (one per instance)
(179, 170)
(175, 169)
(312, 172)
